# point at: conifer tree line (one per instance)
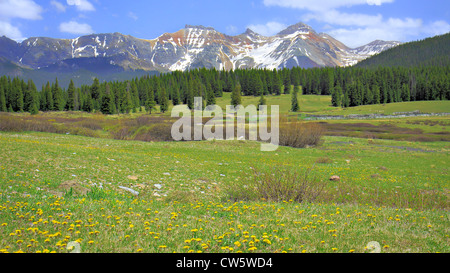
(347, 86)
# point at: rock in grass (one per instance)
(335, 178)
(132, 177)
(130, 190)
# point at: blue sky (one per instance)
(354, 22)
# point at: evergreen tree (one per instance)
(71, 93)
(58, 99)
(336, 96)
(134, 96)
(150, 103)
(210, 97)
(164, 101)
(175, 95)
(262, 100)
(376, 94)
(16, 98)
(127, 102)
(2, 99)
(294, 102)
(405, 92)
(277, 84)
(48, 98)
(108, 106)
(236, 95)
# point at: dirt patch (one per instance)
(75, 185)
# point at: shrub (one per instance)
(92, 124)
(122, 133)
(158, 132)
(277, 184)
(324, 160)
(300, 134)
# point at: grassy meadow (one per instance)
(63, 184)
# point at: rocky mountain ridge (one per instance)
(189, 48)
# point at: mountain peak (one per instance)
(199, 27)
(250, 32)
(299, 27)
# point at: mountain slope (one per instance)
(189, 48)
(431, 51)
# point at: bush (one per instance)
(277, 184)
(300, 134)
(324, 160)
(158, 132)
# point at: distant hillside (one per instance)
(431, 51)
(64, 71)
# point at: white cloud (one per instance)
(439, 27)
(10, 31)
(58, 6)
(392, 29)
(344, 19)
(356, 29)
(81, 5)
(75, 28)
(268, 29)
(17, 9)
(23, 9)
(316, 5)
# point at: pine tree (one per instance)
(127, 102)
(134, 96)
(277, 84)
(262, 100)
(71, 96)
(58, 100)
(16, 100)
(175, 95)
(336, 96)
(164, 101)
(405, 93)
(236, 95)
(294, 102)
(210, 97)
(376, 94)
(48, 98)
(150, 103)
(108, 106)
(2, 99)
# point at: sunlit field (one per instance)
(60, 188)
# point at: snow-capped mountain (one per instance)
(189, 48)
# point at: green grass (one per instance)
(321, 105)
(58, 188)
(392, 192)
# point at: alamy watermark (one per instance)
(185, 129)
